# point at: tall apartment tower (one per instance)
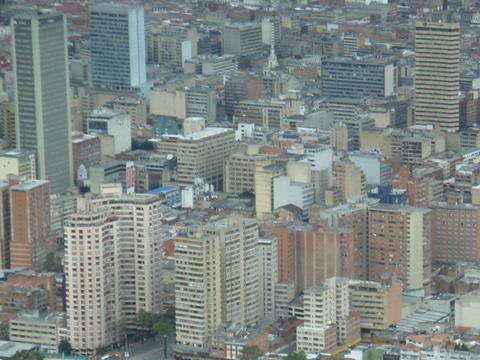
(117, 44)
(216, 279)
(30, 224)
(42, 107)
(121, 261)
(399, 243)
(92, 287)
(437, 61)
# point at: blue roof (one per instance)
(162, 189)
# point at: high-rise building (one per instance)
(399, 243)
(437, 61)
(455, 233)
(329, 319)
(117, 44)
(308, 255)
(30, 221)
(201, 154)
(42, 94)
(240, 173)
(364, 77)
(112, 267)
(242, 39)
(92, 286)
(216, 280)
(377, 303)
(268, 250)
(201, 102)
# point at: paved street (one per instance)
(150, 350)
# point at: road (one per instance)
(150, 350)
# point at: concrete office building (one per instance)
(242, 39)
(271, 30)
(265, 174)
(201, 102)
(263, 113)
(42, 106)
(44, 330)
(437, 62)
(329, 319)
(268, 265)
(359, 77)
(169, 48)
(115, 124)
(377, 303)
(240, 86)
(219, 65)
(455, 233)
(111, 290)
(18, 163)
(30, 224)
(216, 280)
(135, 107)
(240, 173)
(201, 154)
(399, 242)
(117, 46)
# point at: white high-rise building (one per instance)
(112, 267)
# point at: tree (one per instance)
(64, 347)
(162, 328)
(28, 355)
(296, 356)
(251, 352)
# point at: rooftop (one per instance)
(202, 134)
(29, 185)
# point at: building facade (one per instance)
(399, 242)
(437, 62)
(43, 115)
(117, 46)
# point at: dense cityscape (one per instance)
(240, 179)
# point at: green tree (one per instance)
(64, 347)
(296, 356)
(251, 352)
(162, 328)
(28, 355)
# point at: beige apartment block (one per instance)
(437, 61)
